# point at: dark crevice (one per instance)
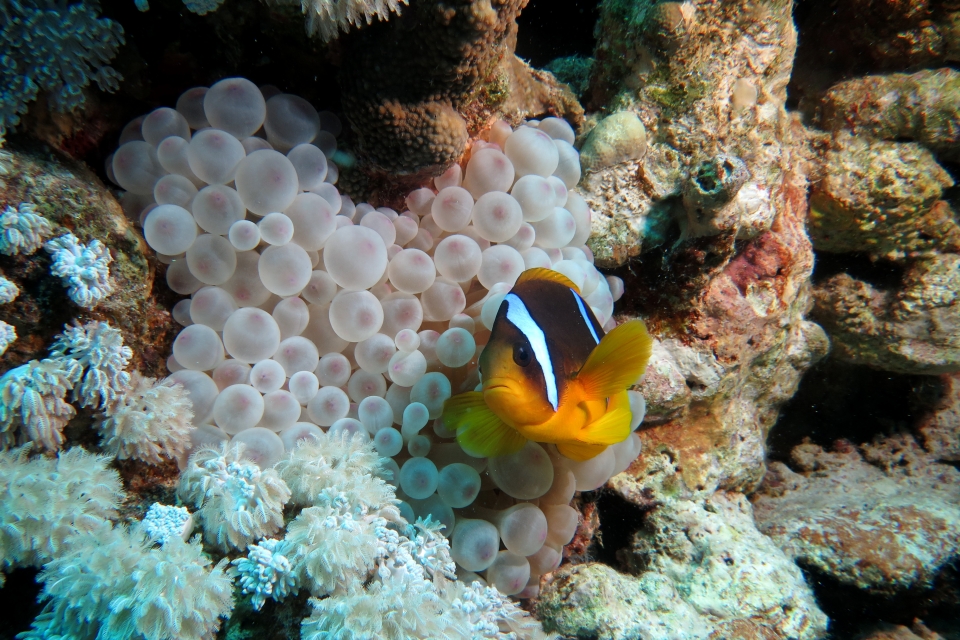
(620, 521)
(19, 598)
(842, 401)
(882, 274)
(853, 611)
(549, 29)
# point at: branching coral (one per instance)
(238, 501)
(149, 421)
(22, 230)
(32, 396)
(44, 500)
(97, 348)
(84, 268)
(110, 583)
(55, 47)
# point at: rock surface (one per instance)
(939, 428)
(880, 197)
(705, 80)
(704, 571)
(73, 199)
(923, 107)
(911, 328)
(883, 518)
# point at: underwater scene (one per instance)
(467, 319)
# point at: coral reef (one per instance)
(150, 421)
(721, 192)
(32, 397)
(65, 195)
(329, 17)
(912, 328)
(23, 230)
(663, 64)
(265, 572)
(84, 269)
(880, 197)
(55, 47)
(238, 502)
(923, 106)
(417, 88)
(883, 517)
(703, 568)
(46, 500)
(95, 354)
(110, 581)
(163, 521)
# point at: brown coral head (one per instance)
(405, 139)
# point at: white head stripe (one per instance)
(586, 316)
(518, 315)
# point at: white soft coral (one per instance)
(97, 349)
(84, 268)
(32, 396)
(149, 421)
(329, 17)
(238, 501)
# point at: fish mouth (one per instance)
(495, 384)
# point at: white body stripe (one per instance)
(586, 317)
(518, 315)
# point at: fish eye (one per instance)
(521, 355)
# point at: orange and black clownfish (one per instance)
(550, 374)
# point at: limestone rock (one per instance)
(882, 518)
(939, 428)
(617, 138)
(706, 80)
(882, 198)
(923, 106)
(912, 328)
(705, 572)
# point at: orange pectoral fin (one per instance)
(617, 362)
(480, 432)
(613, 426)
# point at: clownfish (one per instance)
(550, 374)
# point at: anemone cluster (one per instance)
(311, 317)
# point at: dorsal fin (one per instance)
(539, 273)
